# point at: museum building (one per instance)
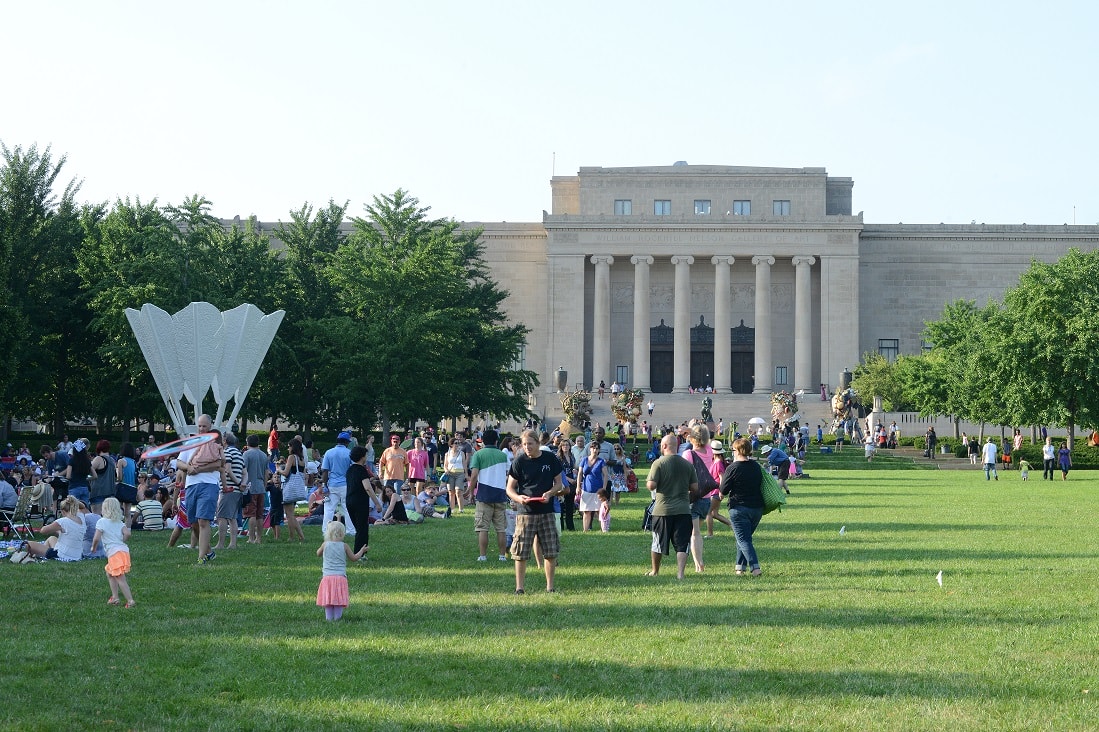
(744, 279)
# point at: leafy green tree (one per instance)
(875, 376)
(1051, 352)
(425, 333)
(43, 316)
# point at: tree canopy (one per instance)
(397, 321)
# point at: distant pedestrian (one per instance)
(990, 459)
(1064, 458)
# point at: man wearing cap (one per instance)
(334, 467)
(393, 464)
(776, 458)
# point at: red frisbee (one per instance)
(183, 443)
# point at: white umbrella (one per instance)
(757, 420)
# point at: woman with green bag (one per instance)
(741, 483)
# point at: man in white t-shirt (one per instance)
(989, 453)
(204, 466)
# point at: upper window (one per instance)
(623, 207)
(889, 348)
(742, 208)
(781, 208)
(702, 208)
(780, 376)
(622, 374)
(662, 208)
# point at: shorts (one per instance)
(700, 509)
(490, 517)
(228, 505)
(530, 525)
(252, 505)
(202, 501)
(118, 564)
(672, 531)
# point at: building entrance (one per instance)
(662, 358)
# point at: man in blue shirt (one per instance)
(334, 467)
(780, 460)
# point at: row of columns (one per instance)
(681, 322)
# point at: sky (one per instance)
(939, 111)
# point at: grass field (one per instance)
(841, 632)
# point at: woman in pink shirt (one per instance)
(417, 465)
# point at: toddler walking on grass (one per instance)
(332, 594)
(1024, 469)
(113, 533)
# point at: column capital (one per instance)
(722, 259)
(641, 259)
(602, 259)
(763, 259)
(683, 259)
(803, 259)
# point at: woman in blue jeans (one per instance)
(742, 483)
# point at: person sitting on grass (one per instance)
(150, 513)
(66, 535)
(394, 512)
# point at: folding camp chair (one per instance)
(17, 519)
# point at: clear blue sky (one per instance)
(939, 111)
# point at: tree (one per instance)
(1050, 354)
(425, 333)
(876, 376)
(43, 316)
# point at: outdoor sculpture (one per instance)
(202, 349)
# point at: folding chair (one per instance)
(18, 518)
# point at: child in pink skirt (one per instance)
(332, 595)
(604, 509)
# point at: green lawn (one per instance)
(846, 632)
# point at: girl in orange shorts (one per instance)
(113, 533)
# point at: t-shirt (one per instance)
(592, 480)
(336, 461)
(152, 514)
(255, 461)
(202, 453)
(672, 477)
(535, 476)
(111, 536)
(990, 452)
(491, 465)
(393, 463)
(417, 464)
(235, 460)
(70, 542)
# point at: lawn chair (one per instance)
(17, 519)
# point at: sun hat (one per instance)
(716, 447)
(766, 449)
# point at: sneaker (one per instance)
(503, 558)
(482, 558)
(208, 558)
(183, 546)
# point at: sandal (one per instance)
(112, 601)
(131, 603)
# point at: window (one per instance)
(780, 376)
(662, 208)
(623, 207)
(926, 346)
(622, 374)
(889, 348)
(702, 208)
(742, 208)
(781, 208)
(520, 362)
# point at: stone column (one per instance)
(601, 321)
(641, 322)
(723, 380)
(681, 321)
(764, 365)
(803, 325)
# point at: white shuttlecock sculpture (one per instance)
(200, 349)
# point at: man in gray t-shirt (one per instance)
(255, 462)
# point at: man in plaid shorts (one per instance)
(533, 480)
